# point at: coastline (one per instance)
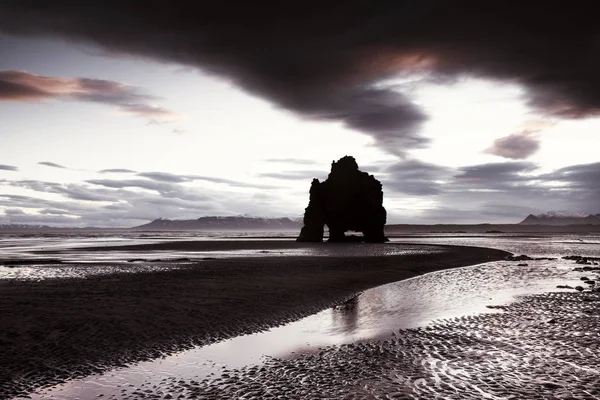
(55, 330)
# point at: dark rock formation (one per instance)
(348, 200)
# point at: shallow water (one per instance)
(543, 346)
(20, 258)
(374, 314)
(542, 245)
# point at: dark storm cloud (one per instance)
(516, 146)
(326, 61)
(51, 164)
(4, 167)
(116, 171)
(23, 86)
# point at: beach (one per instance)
(541, 347)
(59, 329)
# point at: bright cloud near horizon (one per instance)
(114, 129)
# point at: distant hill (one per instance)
(561, 219)
(241, 223)
(23, 226)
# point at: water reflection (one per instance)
(24, 263)
(345, 317)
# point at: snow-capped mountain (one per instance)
(223, 223)
(561, 218)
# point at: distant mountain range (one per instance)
(551, 221)
(23, 226)
(241, 223)
(561, 219)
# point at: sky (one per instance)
(467, 112)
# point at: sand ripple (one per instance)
(544, 346)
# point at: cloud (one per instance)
(4, 167)
(120, 203)
(163, 177)
(516, 146)
(495, 175)
(414, 177)
(299, 161)
(165, 189)
(53, 211)
(296, 175)
(71, 191)
(581, 183)
(13, 211)
(414, 192)
(328, 61)
(168, 177)
(503, 192)
(22, 86)
(116, 171)
(582, 174)
(51, 164)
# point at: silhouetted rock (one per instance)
(348, 200)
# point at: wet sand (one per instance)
(59, 329)
(542, 347)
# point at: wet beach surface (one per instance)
(457, 333)
(380, 313)
(77, 259)
(541, 347)
(62, 329)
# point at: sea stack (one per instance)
(348, 200)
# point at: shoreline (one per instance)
(61, 329)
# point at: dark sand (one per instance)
(54, 330)
(544, 346)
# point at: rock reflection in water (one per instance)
(344, 318)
